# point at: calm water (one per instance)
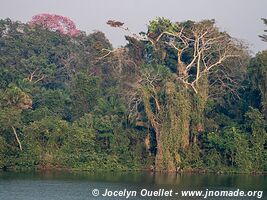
(79, 186)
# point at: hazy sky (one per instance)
(240, 18)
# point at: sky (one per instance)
(240, 18)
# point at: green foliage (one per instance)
(213, 160)
(3, 149)
(84, 94)
(79, 145)
(233, 147)
(258, 76)
(161, 24)
(56, 101)
(44, 140)
(72, 106)
(258, 138)
(192, 159)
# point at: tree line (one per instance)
(180, 96)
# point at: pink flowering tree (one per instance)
(57, 23)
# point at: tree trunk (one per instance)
(17, 138)
(181, 67)
(159, 157)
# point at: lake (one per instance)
(143, 186)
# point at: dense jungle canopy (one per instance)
(180, 96)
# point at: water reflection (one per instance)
(79, 185)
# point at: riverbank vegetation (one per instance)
(180, 96)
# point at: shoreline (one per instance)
(71, 170)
